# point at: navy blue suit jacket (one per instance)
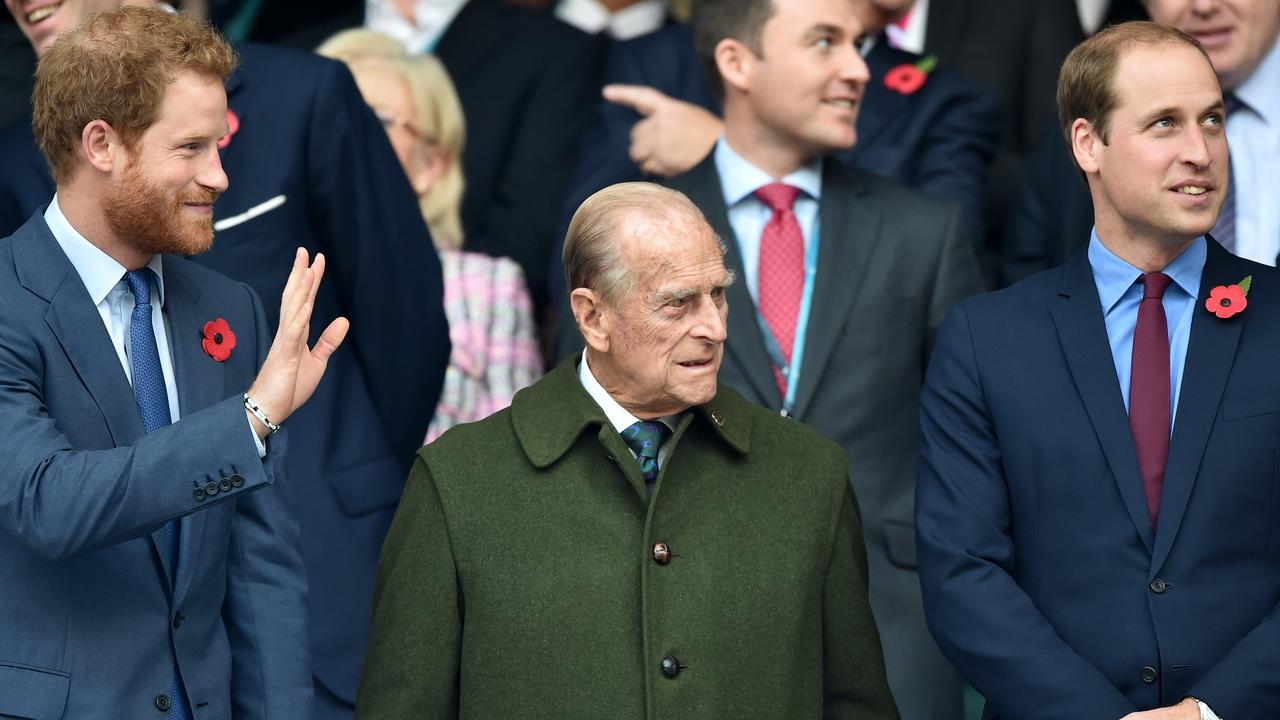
(939, 140)
(1043, 579)
(90, 622)
(307, 136)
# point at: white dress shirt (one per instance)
(430, 19)
(103, 277)
(1253, 133)
(910, 37)
(592, 17)
(617, 415)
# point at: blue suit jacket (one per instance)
(1043, 579)
(89, 621)
(306, 135)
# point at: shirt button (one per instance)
(162, 703)
(177, 620)
(671, 667)
(1158, 586)
(661, 553)
(1149, 675)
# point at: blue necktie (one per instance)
(153, 403)
(1225, 230)
(645, 439)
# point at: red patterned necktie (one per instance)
(781, 270)
(1149, 389)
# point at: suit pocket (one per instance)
(32, 693)
(1251, 406)
(900, 543)
(367, 487)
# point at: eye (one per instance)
(1213, 120)
(1163, 122)
(717, 294)
(823, 43)
(678, 302)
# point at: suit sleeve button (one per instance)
(162, 703)
(211, 488)
(224, 485)
(236, 480)
(1149, 675)
(199, 494)
(671, 667)
(1158, 586)
(661, 553)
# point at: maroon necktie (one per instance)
(1149, 389)
(781, 270)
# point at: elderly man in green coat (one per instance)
(629, 540)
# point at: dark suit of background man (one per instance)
(310, 165)
(149, 554)
(1097, 503)
(701, 556)
(841, 291)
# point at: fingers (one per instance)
(330, 339)
(644, 100)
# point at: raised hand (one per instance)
(673, 136)
(292, 371)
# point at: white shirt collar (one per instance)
(1261, 91)
(98, 270)
(430, 20)
(617, 415)
(591, 16)
(740, 177)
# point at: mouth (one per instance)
(845, 104)
(34, 17)
(697, 364)
(1191, 189)
(1212, 38)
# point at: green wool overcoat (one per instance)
(528, 575)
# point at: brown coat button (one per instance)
(661, 553)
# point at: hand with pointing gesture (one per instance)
(673, 136)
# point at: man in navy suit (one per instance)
(1097, 500)
(310, 165)
(148, 552)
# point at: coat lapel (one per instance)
(1210, 352)
(201, 383)
(849, 233)
(745, 345)
(1083, 334)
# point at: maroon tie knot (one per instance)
(778, 196)
(1154, 285)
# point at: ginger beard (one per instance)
(141, 213)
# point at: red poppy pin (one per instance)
(907, 78)
(233, 126)
(1227, 300)
(218, 339)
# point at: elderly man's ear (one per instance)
(588, 312)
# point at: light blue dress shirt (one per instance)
(748, 216)
(1121, 293)
(1253, 132)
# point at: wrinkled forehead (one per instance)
(665, 239)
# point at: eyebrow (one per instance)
(1162, 112)
(667, 296)
(823, 29)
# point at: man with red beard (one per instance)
(149, 556)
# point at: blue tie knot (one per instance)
(140, 285)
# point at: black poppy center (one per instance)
(1226, 302)
(217, 338)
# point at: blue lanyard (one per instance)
(792, 372)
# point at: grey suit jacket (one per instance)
(890, 264)
(89, 620)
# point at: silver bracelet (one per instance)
(252, 407)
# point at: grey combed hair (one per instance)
(592, 251)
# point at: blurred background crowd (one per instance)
(504, 115)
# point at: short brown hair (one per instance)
(592, 251)
(116, 67)
(716, 20)
(1086, 83)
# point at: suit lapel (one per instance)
(745, 345)
(1210, 352)
(849, 232)
(1083, 334)
(201, 383)
(470, 37)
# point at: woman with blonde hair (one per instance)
(488, 305)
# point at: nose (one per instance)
(211, 175)
(854, 68)
(1195, 147)
(1203, 7)
(711, 318)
